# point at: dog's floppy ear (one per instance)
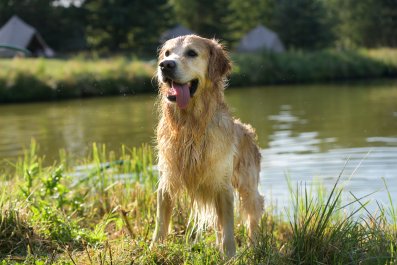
(219, 64)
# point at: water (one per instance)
(308, 133)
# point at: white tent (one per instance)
(260, 38)
(16, 33)
(175, 32)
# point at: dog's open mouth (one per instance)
(181, 93)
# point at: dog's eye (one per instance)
(191, 53)
(167, 53)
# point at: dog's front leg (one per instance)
(225, 218)
(164, 210)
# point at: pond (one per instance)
(306, 132)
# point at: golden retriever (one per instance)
(202, 149)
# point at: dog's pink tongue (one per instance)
(182, 94)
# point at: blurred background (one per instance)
(316, 78)
(137, 26)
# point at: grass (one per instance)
(30, 79)
(101, 210)
(317, 66)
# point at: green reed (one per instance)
(28, 79)
(101, 210)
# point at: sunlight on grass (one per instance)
(101, 211)
(30, 79)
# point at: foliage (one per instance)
(303, 24)
(62, 28)
(246, 15)
(24, 80)
(135, 26)
(32, 80)
(101, 210)
(125, 25)
(203, 17)
(298, 67)
(368, 23)
(50, 209)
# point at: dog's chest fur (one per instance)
(196, 157)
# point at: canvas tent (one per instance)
(260, 38)
(16, 33)
(177, 31)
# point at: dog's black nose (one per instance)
(167, 65)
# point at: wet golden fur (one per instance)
(202, 149)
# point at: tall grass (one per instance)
(53, 79)
(300, 67)
(101, 210)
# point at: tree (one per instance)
(368, 23)
(246, 15)
(61, 27)
(116, 25)
(204, 17)
(27, 10)
(303, 24)
(388, 23)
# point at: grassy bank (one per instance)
(52, 79)
(319, 66)
(101, 210)
(43, 79)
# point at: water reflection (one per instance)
(305, 132)
(75, 125)
(316, 133)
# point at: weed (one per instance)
(29, 79)
(102, 211)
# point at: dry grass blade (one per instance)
(70, 255)
(123, 214)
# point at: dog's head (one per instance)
(186, 64)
